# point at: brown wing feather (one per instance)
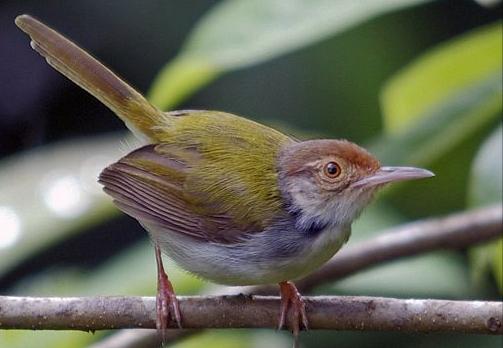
(147, 184)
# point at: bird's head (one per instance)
(330, 181)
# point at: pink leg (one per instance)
(166, 301)
(290, 297)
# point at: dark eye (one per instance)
(332, 170)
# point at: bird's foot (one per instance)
(166, 302)
(291, 298)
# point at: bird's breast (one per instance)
(277, 254)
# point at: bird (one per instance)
(230, 200)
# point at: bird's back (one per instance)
(236, 168)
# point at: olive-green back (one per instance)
(236, 170)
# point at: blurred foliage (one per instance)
(47, 173)
(436, 112)
(434, 78)
(486, 188)
(236, 34)
(442, 133)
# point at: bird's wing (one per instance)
(155, 185)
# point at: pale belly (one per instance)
(265, 258)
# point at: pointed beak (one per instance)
(392, 174)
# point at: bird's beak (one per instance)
(392, 174)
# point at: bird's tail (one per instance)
(140, 116)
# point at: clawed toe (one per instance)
(168, 309)
(291, 298)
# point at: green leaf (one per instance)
(442, 131)
(439, 74)
(443, 98)
(447, 125)
(239, 33)
(486, 188)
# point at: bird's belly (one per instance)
(262, 259)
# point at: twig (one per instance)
(246, 311)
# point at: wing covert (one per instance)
(149, 185)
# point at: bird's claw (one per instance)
(291, 298)
(167, 305)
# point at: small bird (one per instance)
(228, 199)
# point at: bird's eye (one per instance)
(332, 170)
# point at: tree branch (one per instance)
(455, 231)
(246, 311)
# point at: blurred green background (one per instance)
(417, 82)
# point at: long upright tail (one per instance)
(138, 114)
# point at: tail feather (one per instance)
(140, 116)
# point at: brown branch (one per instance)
(455, 231)
(246, 311)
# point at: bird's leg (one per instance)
(290, 297)
(166, 301)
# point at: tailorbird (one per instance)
(228, 199)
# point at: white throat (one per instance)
(332, 210)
